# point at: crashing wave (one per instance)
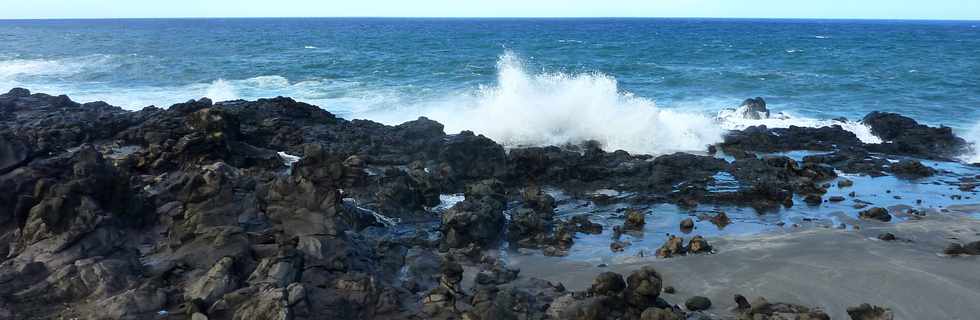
(16, 69)
(524, 109)
(749, 114)
(973, 137)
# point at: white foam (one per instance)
(524, 109)
(288, 159)
(735, 119)
(973, 136)
(221, 90)
(12, 70)
(447, 201)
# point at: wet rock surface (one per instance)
(277, 209)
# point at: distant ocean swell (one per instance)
(521, 108)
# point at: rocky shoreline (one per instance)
(276, 209)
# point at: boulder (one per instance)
(643, 287)
(698, 245)
(687, 225)
(673, 246)
(607, 283)
(697, 303)
(635, 220)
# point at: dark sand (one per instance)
(821, 267)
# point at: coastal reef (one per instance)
(277, 209)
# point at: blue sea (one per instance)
(643, 85)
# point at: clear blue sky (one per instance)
(868, 9)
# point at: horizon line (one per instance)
(494, 17)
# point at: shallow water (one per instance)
(896, 194)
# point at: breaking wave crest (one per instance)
(733, 119)
(973, 136)
(520, 108)
(524, 109)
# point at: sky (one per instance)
(848, 9)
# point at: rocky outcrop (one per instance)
(905, 136)
(477, 220)
(277, 209)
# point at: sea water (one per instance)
(641, 85)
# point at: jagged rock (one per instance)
(135, 303)
(905, 136)
(191, 210)
(754, 108)
(220, 279)
(271, 304)
(477, 220)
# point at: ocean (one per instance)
(642, 85)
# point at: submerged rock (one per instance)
(912, 169)
(868, 312)
(760, 308)
(877, 213)
(697, 303)
(687, 225)
(635, 220)
(972, 248)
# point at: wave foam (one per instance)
(525, 109)
(973, 136)
(734, 119)
(11, 70)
